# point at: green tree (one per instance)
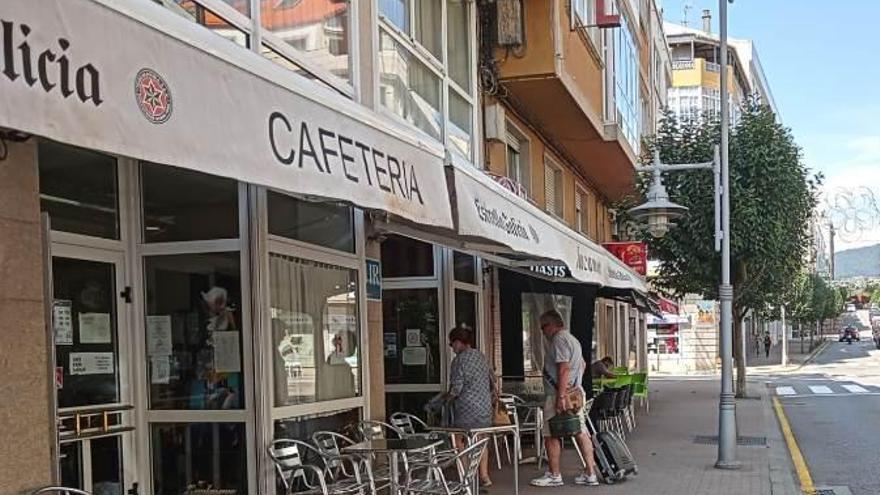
(772, 200)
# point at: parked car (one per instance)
(850, 308)
(849, 332)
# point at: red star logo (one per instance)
(153, 96)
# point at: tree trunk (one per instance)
(738, 358)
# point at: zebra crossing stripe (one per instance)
(785, 391)
(856, 389)
(820, 389)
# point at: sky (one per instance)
(820, 60)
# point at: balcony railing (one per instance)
(713, 67)
(682, 64)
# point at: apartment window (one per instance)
(422, 81)
(626, 82)
(518, 157)
(583, 14)
(686, 102)
(581, 202)
(600, 222)
(712, 102)
(320, 31)
(553, 188)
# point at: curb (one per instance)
(781, 469)
(813, 355)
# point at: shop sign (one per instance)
(183, 96)
(488, 211)
(555, 271)
(633, 254)
(374, 280)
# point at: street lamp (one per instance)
(658, 212)
(658, 223)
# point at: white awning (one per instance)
(137, 80)
(504, 223)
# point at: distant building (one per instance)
(696, 85)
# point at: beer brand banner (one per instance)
(633, 254)
(137, 80)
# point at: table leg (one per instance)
(518, 447)
(395, 475)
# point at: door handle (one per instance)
(126, 294)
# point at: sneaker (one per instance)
(548, 480)
(583, 479)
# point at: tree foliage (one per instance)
(772, 199)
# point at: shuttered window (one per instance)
(553, 188)
(580, 210)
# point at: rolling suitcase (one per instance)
(613, 458)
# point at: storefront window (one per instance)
(182, 205)
(466, 308)
(321, 31)
(464, 267)
(194, 331)
(84, 323)
(78, 188)
(302, 427)
(324, 224)
(315, 329)
(411, 335)
(533, 306)
(191, 456)
(406, 257)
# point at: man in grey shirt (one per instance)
(564, 367)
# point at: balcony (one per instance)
(555, 81)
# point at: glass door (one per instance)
(91, 370)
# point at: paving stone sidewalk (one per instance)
(671, 462)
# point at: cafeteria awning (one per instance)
(140, 81)
(507, 226)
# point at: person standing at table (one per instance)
(471, 390)
(563, 373)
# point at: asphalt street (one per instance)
(833, 407)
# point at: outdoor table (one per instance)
(538, 408)
(472, 433)
(393, 448)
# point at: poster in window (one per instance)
(159, 335)
(62, 321)
(95, 328)
(91, 363)
(415, 356)
(413, 337)
(390, 342)
(227, 356)
(160, 370)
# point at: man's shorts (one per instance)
(550, 411)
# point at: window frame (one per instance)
(440, 68)
(581, 215)
(584, 18)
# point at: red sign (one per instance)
(633, 254)
(668, 306)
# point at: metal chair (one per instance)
(436, 481)
(640, 391)
(331, 443)
(303, 469)
(408, 424)
(529, 424)
(378, 430)
(59, 490)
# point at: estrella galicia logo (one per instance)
(153, 96)
(534, 234)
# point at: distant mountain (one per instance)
(858, 262)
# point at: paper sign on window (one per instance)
(159, 335)
(95, 328)
(415, 356)
(91, 363)
(62, 322)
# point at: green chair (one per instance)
(640, 389)
(620, 370)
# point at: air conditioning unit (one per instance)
(509, 21)
(496, 122)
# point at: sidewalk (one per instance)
(671, 462)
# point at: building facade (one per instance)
(227, 222)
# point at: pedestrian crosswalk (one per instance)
(831, 389)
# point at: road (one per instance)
(833, 407)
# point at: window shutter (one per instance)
(579, 210)
(550, 188)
